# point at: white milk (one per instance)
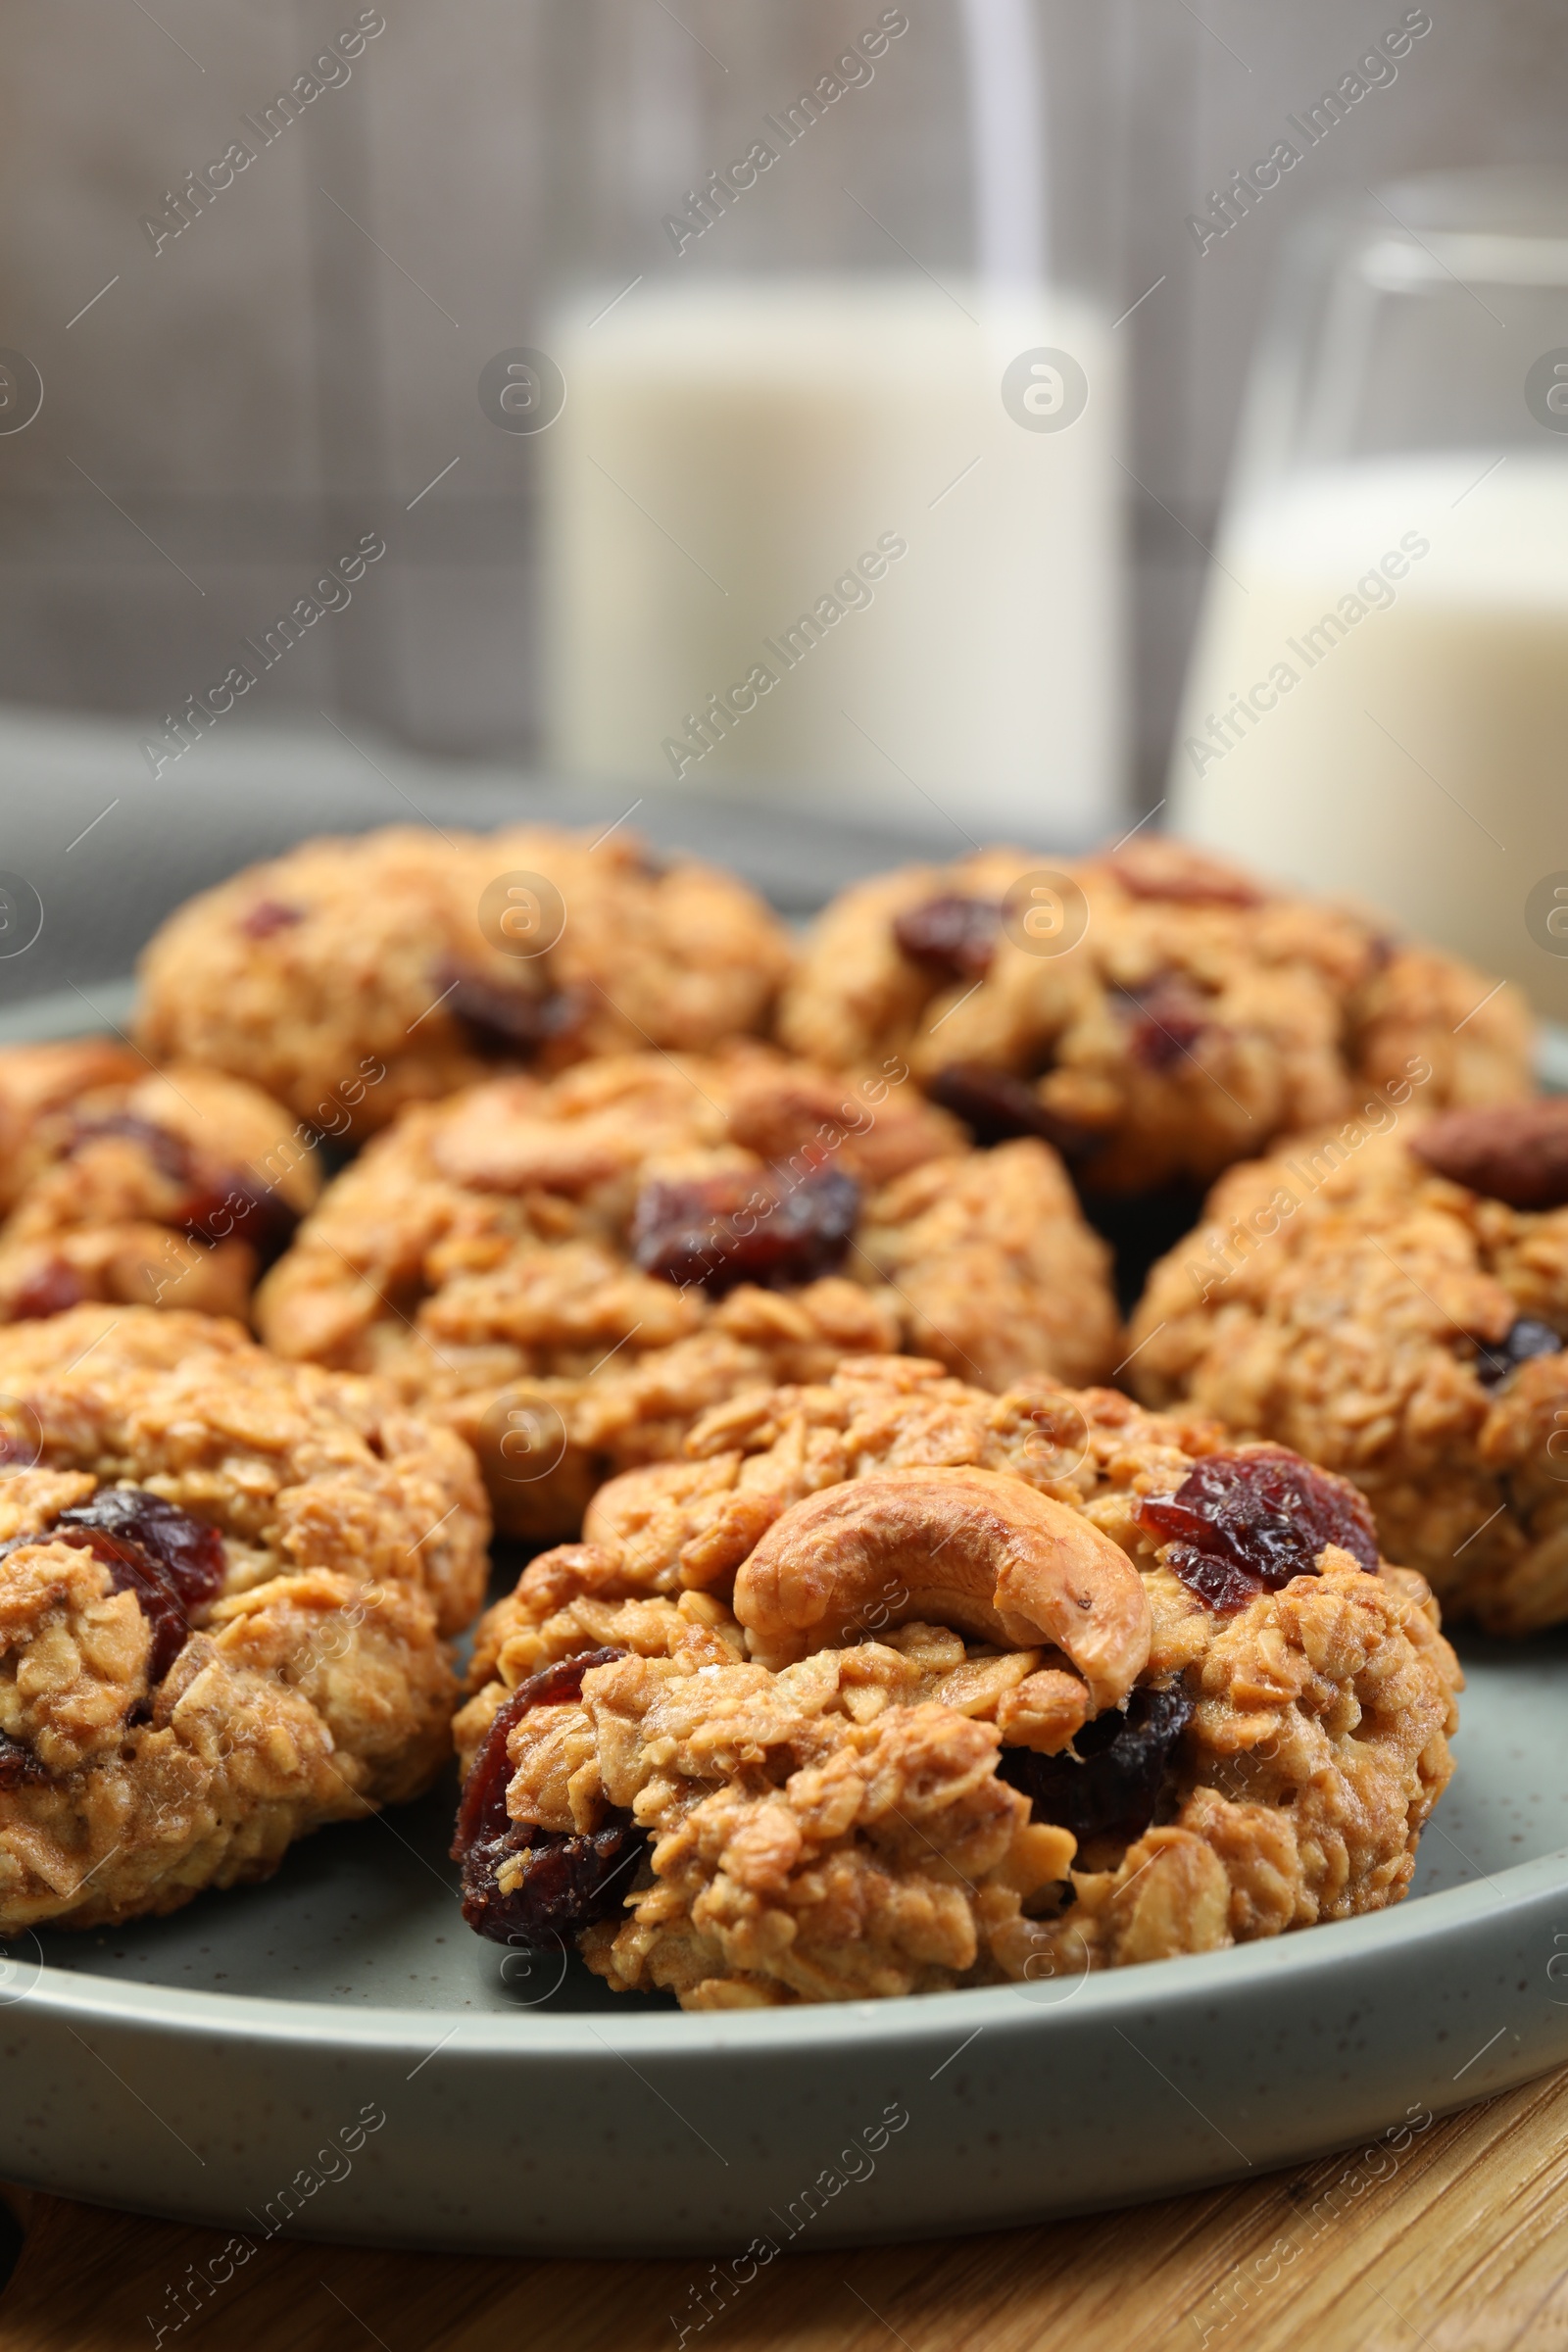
(729, 450)
(1420, 760)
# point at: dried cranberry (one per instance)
(171, 1561)
(17, 1764)
(169, 1153)
(1241, 1524)
(998, 1106)
(1114, 1782)
(510, 1020)
(49, 1290)
(268, 915)
(189, 1550)
(1527, 1339)
(1168, 1017)
(483, 1810)
(565, 1883)
(238, 1205)
(157, 1595)
(768, 1227)
(219, 1202)
(955, 934)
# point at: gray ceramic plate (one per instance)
(334, 2052)
(225, 2065)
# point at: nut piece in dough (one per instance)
(976, 1550)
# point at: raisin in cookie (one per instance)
(351, 976)
(169, 1188)
(893, 1685)
(571, 1271)
(1153, 1012)
(1394, 1304)
(224, 1582)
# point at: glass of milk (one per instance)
(1377, 702)
(831, 504)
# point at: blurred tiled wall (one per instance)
(292, 371)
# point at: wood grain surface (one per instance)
(1456, 2241)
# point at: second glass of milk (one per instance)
(1378, 703)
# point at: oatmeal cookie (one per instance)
(168, 1187)
(35, 1080)
(224, 1582)
(1153, 1012)
(570, 1271)
(350, 977)
(893, 1685)
(1393, 1300)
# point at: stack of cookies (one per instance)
(885, 1644)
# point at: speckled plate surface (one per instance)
(334, 2052)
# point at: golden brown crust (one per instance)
(152, 1187)
(327, 974)
(35, 1080)
(314, 1688)
(480, 1256)
(839, 1828)
(1199, 1015)
(299, 1468)
(1345, 1299)
(312, 1698)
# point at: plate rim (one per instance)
(573, 2035)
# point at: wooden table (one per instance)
(1458, 2243)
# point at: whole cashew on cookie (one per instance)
(974, 1550)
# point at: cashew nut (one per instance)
(975, 1549)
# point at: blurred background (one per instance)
(245, 379)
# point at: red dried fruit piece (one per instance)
(17, 1764)
(566, 1882)
(172, 1562)
(954, 934)
(158, 1596)
(765, 1226)
(1241, 1524)
(1168, 1017)
(189, 1550)
(239, 1206)
(998, 1106)
(49, 1290)
(508, 1021)
(169, 1153)
(1113, 1778)
(483, 1811)
(268, 915)
(1169, 869)
(220, 1202)
(1513, 1151)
